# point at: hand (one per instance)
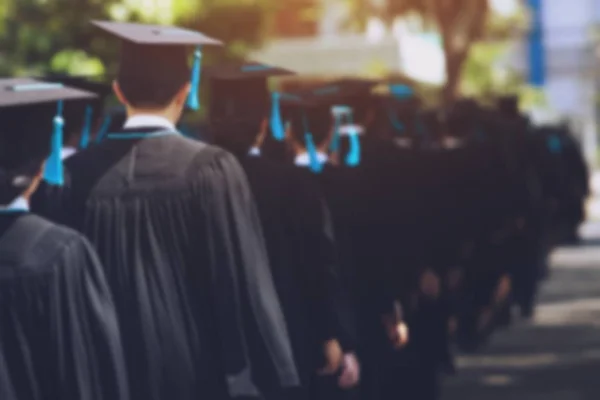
(452, 325)
(333, 357)
(454, 278)
(503, 289)
(430, 284)
(397, 333)
(520, 223)
(484, 319)
(351, 372)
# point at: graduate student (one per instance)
(176, 227)
(352, 193)
(59, 335)
(296, 224)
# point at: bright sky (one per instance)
(505, 7)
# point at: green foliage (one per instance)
(32, 32)
(39, 36)
(483, 77)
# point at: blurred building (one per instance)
(310, 37)
(570, 58)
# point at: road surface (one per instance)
(557, 355)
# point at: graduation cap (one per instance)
(31, 121)
(240, 89)
(158, 53)
(82, 114)
(343, 91)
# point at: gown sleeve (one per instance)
(329, 303)
(248, 310)
(90, 358)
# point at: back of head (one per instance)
(151, 75)
(313, 119)
(23, 147)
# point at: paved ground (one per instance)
(556, 356)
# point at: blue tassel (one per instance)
(396, 123)
(276, 122)
(335, 142)
(554, 144)
(353, 156)
(53, 171)
(315, 165)
(401, 92)
(87, 127)
(193, 101)
(103, 129)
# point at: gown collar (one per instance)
(146, 120)
(67, 152)
(20, 204)
(254, 151)
(303, 159)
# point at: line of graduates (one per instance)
(328, 243)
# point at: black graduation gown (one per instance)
(59, 337)
(300, 243)
(176, 227)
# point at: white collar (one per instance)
(67, 152)
(18, 204)
(303, 159)
(254, 151)
(147, 120)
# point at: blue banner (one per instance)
(536, 50)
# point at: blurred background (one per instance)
(543, 50)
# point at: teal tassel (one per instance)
(193, 101)
(401, 92)
(396, 123)
(315, 165)
(554, 144)
(53, 172)
(335, 142)
(103, 129)
(87, 127)
(276, 122)
(353, 156)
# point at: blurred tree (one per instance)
(483, 77)
(39, 35)
(460, 24)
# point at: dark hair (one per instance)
(141, 92)
(151, 76)
(314, 120)
(25, 134)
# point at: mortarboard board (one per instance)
(158, 53)
(240, 89)
(28, 110)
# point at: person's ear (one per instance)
(182, 94)
(119, 93)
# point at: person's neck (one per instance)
(166, 113)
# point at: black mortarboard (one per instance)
(82, 114)
(29, 109)
(239, 90)
(343, 91)
(158, 53)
